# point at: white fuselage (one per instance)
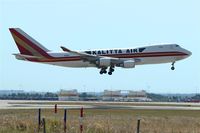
(145, 55)
(104, 59)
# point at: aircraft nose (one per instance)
(189, 53)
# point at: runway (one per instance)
(30, 104)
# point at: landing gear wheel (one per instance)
(173, 68)
(104, 71)
(101, 72)
(111, 70)
(110, 73)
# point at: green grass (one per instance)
(102, 121)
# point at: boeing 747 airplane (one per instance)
(103, 59)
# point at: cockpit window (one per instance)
(177, 45)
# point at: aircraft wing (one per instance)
(84, 56)
(91, 58)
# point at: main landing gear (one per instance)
(111, 70)
(173, 68)
(104, 71)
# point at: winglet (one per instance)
(65, 49)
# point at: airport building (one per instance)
(9, 92)
(68, 95)
(129, 96)
(137, 96)
(109, 95)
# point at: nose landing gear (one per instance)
(173, 68)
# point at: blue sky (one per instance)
(87, 24)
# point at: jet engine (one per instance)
(128, 64)
(104, 62)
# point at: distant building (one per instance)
(68, 95)
(8, 92)
(109, 95)
(88, 96)
(137, 96)
(130, 96)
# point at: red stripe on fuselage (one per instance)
(136, 55)
(30, 43)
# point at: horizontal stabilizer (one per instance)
(24, 57)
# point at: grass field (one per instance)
(102, 121)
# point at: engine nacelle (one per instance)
(129, 64)
(104, 62)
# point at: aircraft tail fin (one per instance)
(27, 45)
